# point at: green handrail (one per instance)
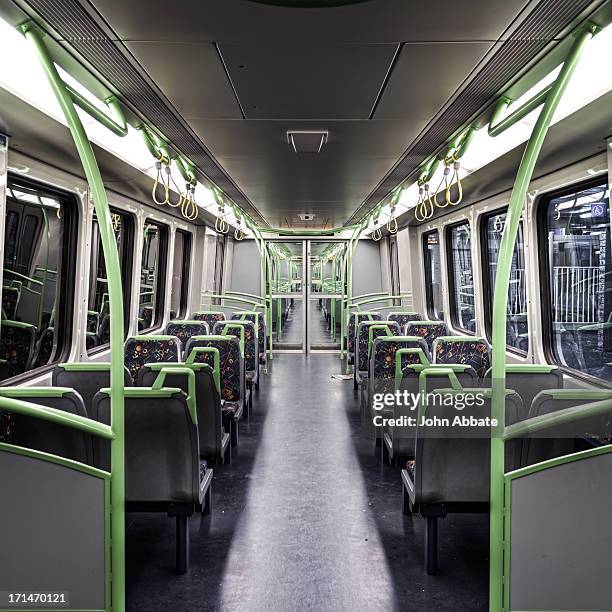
(118, 127)
(398, 362)
(235, 325)
(219, 296)
(384, 325)
(500, 304)
(115, 290)
(382, 298)
(216, 361)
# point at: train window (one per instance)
(577, 269)
(433, 275)
(152, 275)
(516, 328)
(98, 320)
(180, 274)
(38, 277)
(461, 277)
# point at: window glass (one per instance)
(37, 290)
(433, 275)
(150, 311)
(578, 232)
(516, 327)
(461, 278)
(180, 274)
(98, 319)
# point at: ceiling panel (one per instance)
(285, 81)
(191, 75)
(283, 183)
(374, 21)
(425, 76)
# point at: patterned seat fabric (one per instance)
(10, 301)
(403, 318)
(93, 321)
(474, 352)
(149, 349)
(44, 348)
(428, 330)
(363, 340)
(383, 355)
(250, 346)
(209, 317)
(410, 465)
(183, 330)
(255, 317)
(17, 346)
(354, 320)
(230, 363)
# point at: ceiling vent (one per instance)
(306, 216)
(307, 141)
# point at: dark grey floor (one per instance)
(306, 518)
(292, 334)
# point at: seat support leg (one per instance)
(431, 545)
(234, 433)
(207, 507)
(182, 544)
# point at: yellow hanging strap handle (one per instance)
(455, 178)
(159, 179)
(239, 232)
(189, 208)
(376, 232)
(177, 189)
(392, 223)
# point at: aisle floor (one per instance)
(306, 518)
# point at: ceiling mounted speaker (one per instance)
(307, 141)
(309, 3)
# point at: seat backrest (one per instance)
(86, 379)
(469, 350)
(17, 346)
(208, 402)
(452, 463)
(528, 380)
(403, 318)
(384, 349)
(362, 345)
(251, 344)
(258, 319)
(428, 330)
(231, 363)
(161, 445)
(355, 318)
(209, 316)
(10, 301)
(140, 350)
(183, 330)
(45, 436)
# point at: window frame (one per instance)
(485, 260)
(452, 310)
(186, 270)
(126, 276)
(541, 211)
(67, 287)
(429, 305)
(160, 290)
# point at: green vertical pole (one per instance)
(500, 305)
(115, 298)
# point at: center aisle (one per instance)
(306, 518)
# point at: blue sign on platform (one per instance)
(598, 210)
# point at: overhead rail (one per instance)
(115, 297)
(500, 304)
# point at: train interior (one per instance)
(306, 305)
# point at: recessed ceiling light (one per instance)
(307, 141)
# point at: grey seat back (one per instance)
(161, 446)
(45, 436)
(208, 402)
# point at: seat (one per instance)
(355, 318)
(46, 436)
(211, 317)
(250, 351)
(403, 318)
(10, 301)
(468, 350)
(363, 345)
(528, 380)
(163, 470)
(213, 439)
(17, 346)
(140, 350)
(450, 470)
(183, 330)
(231, 374)
(428, 330)
(260, 323)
